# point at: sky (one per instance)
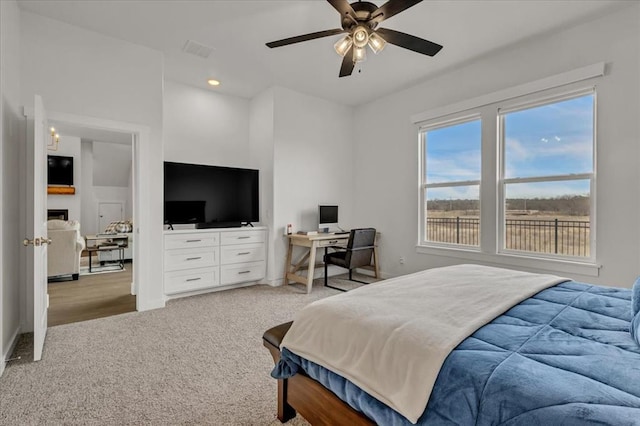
(555, 139)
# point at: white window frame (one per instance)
(537, 101)
(423, 185)
(573, 81)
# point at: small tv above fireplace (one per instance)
(60, 170)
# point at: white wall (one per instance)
(111, 164)
(312, 164)
(12, 132)
(69, 146)
(83, 73)
(261, 157)
(106, 177)
(302, 146)
(204, 127)
(386, 142)
(87, 204)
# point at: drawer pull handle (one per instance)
(244, 272)
(194, 258)
(194, 279)
(333, 242)
(244, 238)
(243, 253)
(193, 241)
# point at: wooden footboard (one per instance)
(302, 394)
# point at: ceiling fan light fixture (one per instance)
(359, 28)
(359, 54)
(360, 36)
(376, 43)
(343, 45)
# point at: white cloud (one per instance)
(449, 170)
(454, 193)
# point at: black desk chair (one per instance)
(357, 254)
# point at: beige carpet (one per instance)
(199, 361)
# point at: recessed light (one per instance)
(213, 82)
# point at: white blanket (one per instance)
(391, 338)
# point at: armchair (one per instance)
(357, 253)
(63, 254)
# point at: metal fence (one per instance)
(458, 230)
(565, 237)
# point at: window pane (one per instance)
(453, 153)
(549, 140)
(453, 215)
(549, 217)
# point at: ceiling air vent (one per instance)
(198, 49)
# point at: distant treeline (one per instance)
(577, 205)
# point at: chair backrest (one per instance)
(360, 247)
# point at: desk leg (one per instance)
(89, 261)
(376, 268)
(312, 265)
(287, 263)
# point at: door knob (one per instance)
(46, 241)
(36, 242)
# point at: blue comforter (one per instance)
(562, 357)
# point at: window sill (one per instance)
(513, 260)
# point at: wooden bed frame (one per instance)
(302, 394)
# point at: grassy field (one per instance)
(540, 232)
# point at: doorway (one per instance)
(103, 197)
(147, 162)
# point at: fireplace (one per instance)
(58, 214)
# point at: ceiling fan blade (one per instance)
(390, 8)
(347, 64)
(344, 8)
(410, 42)
(305, 37)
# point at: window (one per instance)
(509, 178)
(547, 176)
(450, 183)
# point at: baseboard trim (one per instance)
(150, 305)
(210, 290)
(7, 354)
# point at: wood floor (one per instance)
(90, 297)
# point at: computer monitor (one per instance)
(327, 217)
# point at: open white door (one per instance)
(37, 240)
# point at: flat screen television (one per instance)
(210, 196)
(59, 170)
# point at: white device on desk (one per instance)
(328, 218)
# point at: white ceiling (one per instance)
(239, 29)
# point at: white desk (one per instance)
(313, 242)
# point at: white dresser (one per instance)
(201, 260)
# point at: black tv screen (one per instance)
(60, 170)
(199, 194)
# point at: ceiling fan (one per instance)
(360, 20)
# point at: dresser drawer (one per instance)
(231, 274)
(241, 253)
(178, 259)
(180, 241)
(181, 281)
(241, 237)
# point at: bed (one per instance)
(566, 353)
